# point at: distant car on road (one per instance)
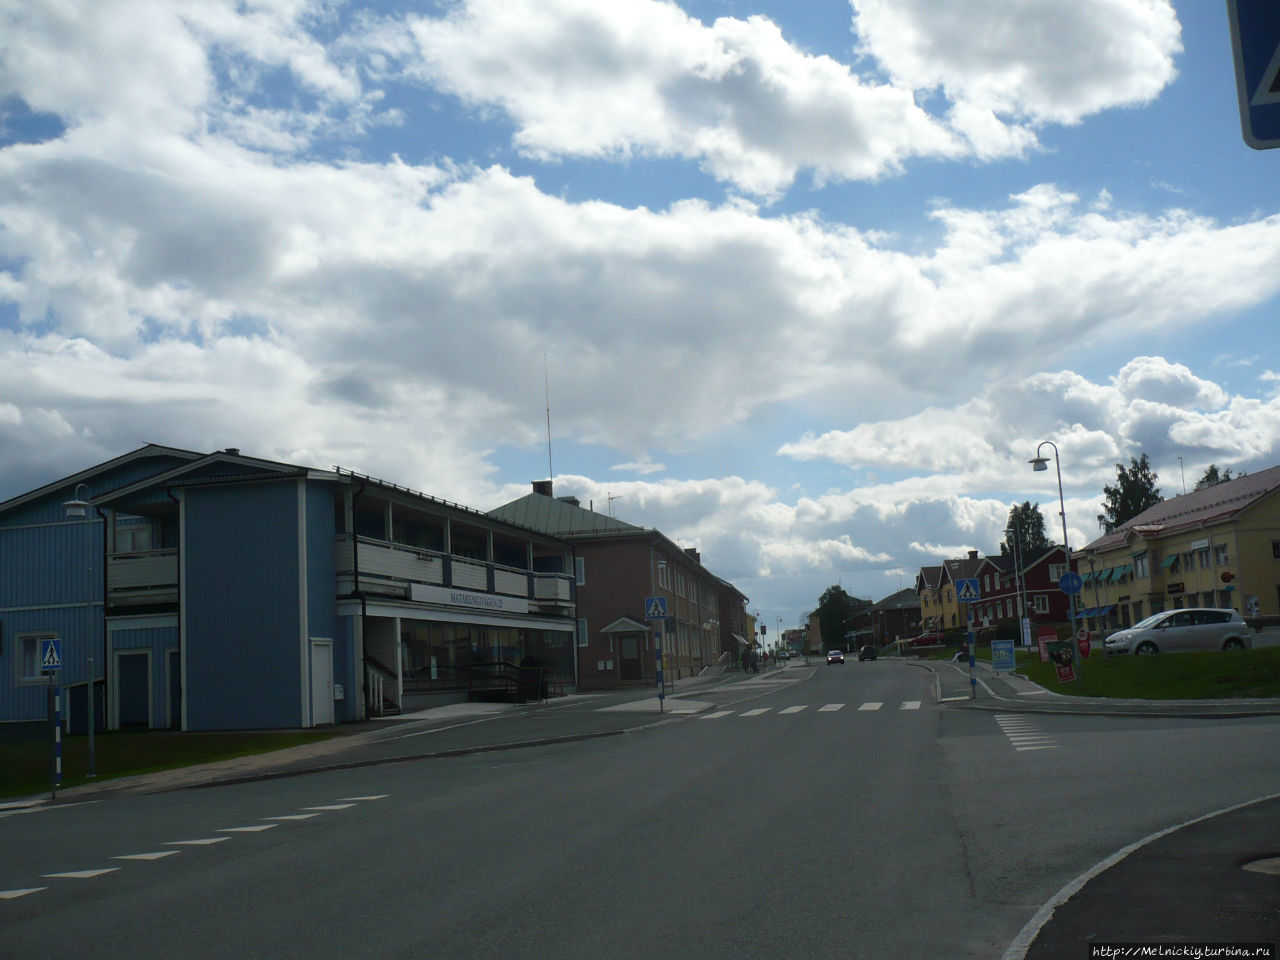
(1173, 631)
(866, 652)
(835, 656)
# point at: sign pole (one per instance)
(973, 680)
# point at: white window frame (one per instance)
(580, 571)
(20, 643)
(1056, 570)
(1040, 603)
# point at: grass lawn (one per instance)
(1206, 674)
(24, 767)
(1201, 675)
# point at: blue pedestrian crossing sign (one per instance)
(967, 590)
(655, 608)
(50, 654)
(1255, 42)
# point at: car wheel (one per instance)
(1233, 644)
(1146, 647)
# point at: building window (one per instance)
(664, 576)
(1220, 556)
(1275, 549)
(580, 570)
(28, 658)
(1041, 603)
(1140, 571)
(1056, 570)
(582, 631)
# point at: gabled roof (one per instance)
(963, 569)
(1217, 504)
(87, 475)
(930, 576)
(198, 472)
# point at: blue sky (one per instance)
(807, 281)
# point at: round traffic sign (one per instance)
(1070, 582)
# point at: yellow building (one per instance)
(1218, 546)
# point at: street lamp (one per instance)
(1015, 533)
(77, 509)
(1039, 463)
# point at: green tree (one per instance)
(1213, 476)
(835, 611)
(1134, 492)
(1025, 530)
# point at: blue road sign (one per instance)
(655, 608)
(967, 590)
(1070, 583)
(1255, 42)
(1002, 656)
(51, 654)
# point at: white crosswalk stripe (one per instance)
(830, 708)
(756, 712)
(872, 705)
(910, 705)
(1024, 733)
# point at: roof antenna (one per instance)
(546, 382)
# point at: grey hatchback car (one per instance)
(1192, 628)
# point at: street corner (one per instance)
(671, 706)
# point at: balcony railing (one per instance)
(145, 577)
(390, 569)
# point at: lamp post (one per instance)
(77, 509)
(1039, 463)
(1016, 532)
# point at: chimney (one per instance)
(234, 451)
(692, 552)
(571, 501)
(543, 487)
(973, 554)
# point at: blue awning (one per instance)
(1085, 613)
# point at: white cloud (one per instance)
(1038, 60)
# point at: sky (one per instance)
(803, 284)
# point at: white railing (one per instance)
(396, 561)
(551, 587)
(373, 680)
(514, 582)
(136, 571)
(470, 576)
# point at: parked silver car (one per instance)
(1193, 628)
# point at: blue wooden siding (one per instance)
(159, 641)
(50, 581)
(241, 614)
(322, 584)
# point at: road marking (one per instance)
(254, 829)
(794, 709)
(376, 796)
(195, 843)
(1024, 734)
(159, 855)
(910, 705)
(293, 816)
(79, 874)
(831, 708)
(715, 716)
(15, 894)
(331, 806)
(872, 705)
(757, 711)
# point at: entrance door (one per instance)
(629, 666)
(133, 681)
(321, 682)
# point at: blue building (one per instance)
(219, 591)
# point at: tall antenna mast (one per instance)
(546, 383)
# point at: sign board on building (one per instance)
(469, 599)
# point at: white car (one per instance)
(835, 656)
(1193, 628)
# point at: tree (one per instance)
(1134, 492)
(1025, 530)
(835, 611)
(1212, 477)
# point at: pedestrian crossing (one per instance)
(870, 706)
(1024, 732)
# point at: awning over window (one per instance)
(1087, 613)
(1169, 561)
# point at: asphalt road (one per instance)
(824, 812)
